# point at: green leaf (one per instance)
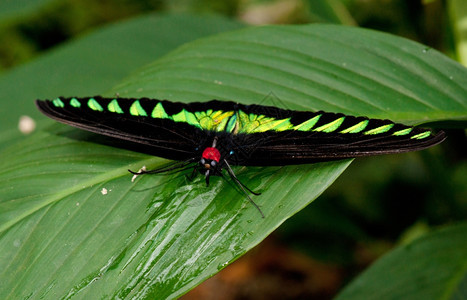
(432, 267)
(158, 236)
(73, 224)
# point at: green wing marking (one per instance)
(421, 135)
(58, 102)
(331, 126)
(403, 131)
(137, 110)
(114, 107)
(307, 125)
(94, 105)
(213, 120)
(381, 129)
(359, 127)
(252, 123)
(158, 112)
(75, 103)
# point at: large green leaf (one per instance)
(432, 267)
(160, 235)
(63, 235)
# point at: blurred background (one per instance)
(42, 24)
(377, 204)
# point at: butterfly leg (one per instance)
(243, 187)
(193, 174)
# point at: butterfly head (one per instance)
(209, 162)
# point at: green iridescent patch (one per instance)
(307, 125)
(210, 120)
(380, 129)
(331, 126)
(359, 127)
(232, 124)
(159, 112)
(185, 116)
(277, 125)
(220, 119)
(75, 103)
(137, 110)
(94, 105)
(252, 123)
(57, 102)
(421, 135)
(403, 132)
(242, 120)
(213, 120)
(114, 107)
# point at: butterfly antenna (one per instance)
(243, 187)
(242, 184)
(170, 167)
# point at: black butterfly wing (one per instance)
(311, 137)
(257, 135)
(129, 120)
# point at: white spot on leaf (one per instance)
(26, 124)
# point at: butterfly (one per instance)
(212, 136)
